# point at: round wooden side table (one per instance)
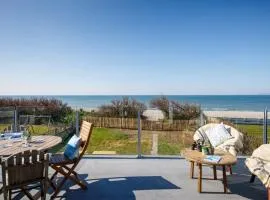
(196, 157)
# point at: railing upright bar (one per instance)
(139, 136)
(265, 118)
(77, 122)
(266, 124)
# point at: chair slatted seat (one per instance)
(60, 158)
(66, 167)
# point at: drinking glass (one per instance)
(9, 143)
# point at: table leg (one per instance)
(230, 168)
(215, 172)
(200, 178)
(224, 178)
(191, 169)
(252, 178)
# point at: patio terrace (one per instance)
(128, 178)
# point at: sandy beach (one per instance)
(236, 114)
(155, 114)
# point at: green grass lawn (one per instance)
(121, 141)
(125, 141)
(36, 129)
(105, 139)
(252, 129)
(40, 129)
(3, 126)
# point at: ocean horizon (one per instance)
(207, 102)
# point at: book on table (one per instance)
(212, 158)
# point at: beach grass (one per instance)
(165, 148)
(253, 137)
(172, 142)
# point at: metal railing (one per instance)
(158, 141)
(16, 118)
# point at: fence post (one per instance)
(170, 113)
(77, 122)
(139, 136)
(201, 119)
(265, 118)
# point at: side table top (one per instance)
(198, 157)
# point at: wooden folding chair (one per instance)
(25, 171)
(66, 167)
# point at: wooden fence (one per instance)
(132, 123)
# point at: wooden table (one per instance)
(195, 157)
(42, 142)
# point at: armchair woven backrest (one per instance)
(233, 145)
(24, 167)
(85, 135)
(200, 133)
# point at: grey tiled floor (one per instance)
(156, 179)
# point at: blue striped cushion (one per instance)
(72, 148)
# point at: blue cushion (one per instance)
(72, 148)
(16, 135)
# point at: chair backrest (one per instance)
(85, 135)
(24, 168)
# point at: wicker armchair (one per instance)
(232, 146)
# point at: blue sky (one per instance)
(134, 47)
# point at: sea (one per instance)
(206, 102)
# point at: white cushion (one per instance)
(218, 135)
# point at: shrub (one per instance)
(162, 103)
(38, 106)
(251, 142)
(121, 108)
(181, 111)
(185, 111)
